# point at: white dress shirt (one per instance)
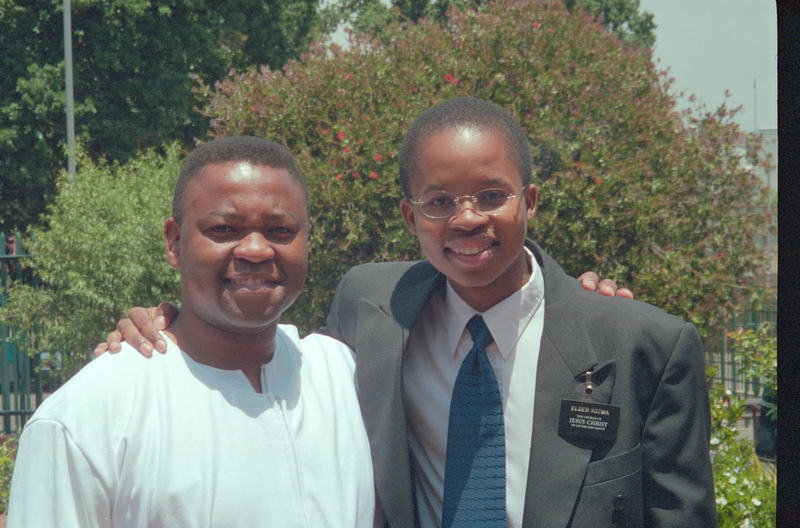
(167, 441)
(437, 346)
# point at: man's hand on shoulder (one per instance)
(141, 330)
(607, 287)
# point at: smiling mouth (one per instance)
(470, 250)
(250, 282)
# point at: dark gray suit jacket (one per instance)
(656, 473)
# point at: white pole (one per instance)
(69, 88)
(755, 108)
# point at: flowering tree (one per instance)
(631, 188)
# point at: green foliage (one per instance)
(135, 62)
(102, 254)
(745, 488)
(627, 188)
(8, 452)
(622, 18)
(757, 349)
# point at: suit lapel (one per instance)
(557, 464)
(383, 330)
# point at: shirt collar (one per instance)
(506, 320)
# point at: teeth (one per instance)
(468, 250)
(249, 281)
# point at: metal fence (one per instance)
(720, 351)
(23, 379)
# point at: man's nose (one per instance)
(254, 247)
(466, 215)
(466, 207)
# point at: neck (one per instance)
(223, 349)
(483, 298)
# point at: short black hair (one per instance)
(234, 149)
(464, 112)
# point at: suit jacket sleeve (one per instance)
(677, 477)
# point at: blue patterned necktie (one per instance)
(475, 465)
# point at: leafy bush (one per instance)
(101, 254)
(629, 187)
(8, 452)
(757, 349)
(745, 488)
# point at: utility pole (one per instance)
(755, 108)
(69, 88)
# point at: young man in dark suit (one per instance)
(561, 355)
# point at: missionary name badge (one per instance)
(585, 418)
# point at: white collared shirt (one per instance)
(437, 346)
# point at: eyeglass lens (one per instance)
(441, 204)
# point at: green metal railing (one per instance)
(720, 351)
(21, 387)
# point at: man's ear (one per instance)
(407, 210)
(172, 237)
(530, 194)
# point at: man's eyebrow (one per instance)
(232, 215)
(439, 186)
(228, 215)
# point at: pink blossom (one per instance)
(373, 175)
(346, 150)
(340, 135)
(356, 175)
(451, 79)
(253, 108)
(339, 176)
(598, 181)
(535, 25)
(378, 157)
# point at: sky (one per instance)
(711, 46)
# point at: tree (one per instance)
(621, 17)
(629, 187)
(102, 253)
(135, 64)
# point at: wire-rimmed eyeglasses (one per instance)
(443, 204)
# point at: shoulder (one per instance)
(105, 386)
(387, 272)
(380, 282)
(317, 348)
(610, 319)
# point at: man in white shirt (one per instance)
(244, 423)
